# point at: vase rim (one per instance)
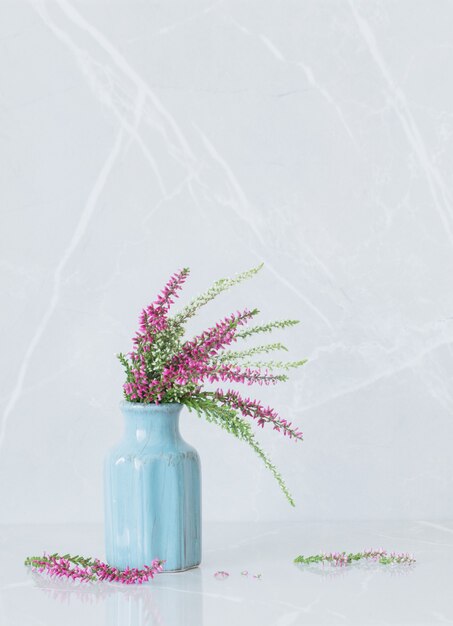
(150, 406)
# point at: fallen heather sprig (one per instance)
(84, 569)
(342, 558)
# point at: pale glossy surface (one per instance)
(285, 595)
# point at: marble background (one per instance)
(316, 136)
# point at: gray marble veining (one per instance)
(137, 138)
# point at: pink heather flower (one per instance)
(153, 318)
(194, 371)
(91, 570)
(216, 338)
(191, 364)
(221, 575)
(254, 409)
(129, 576)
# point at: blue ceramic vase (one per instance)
(152, 487)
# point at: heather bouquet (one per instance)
(166, 367)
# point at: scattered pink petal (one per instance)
(221, 575)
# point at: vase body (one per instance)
(152, 488)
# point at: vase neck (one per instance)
(151, 423)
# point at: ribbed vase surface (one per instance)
(152, 487)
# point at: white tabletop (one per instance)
(285, 594)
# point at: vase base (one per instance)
(176, 571)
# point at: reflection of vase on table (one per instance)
(168, 600)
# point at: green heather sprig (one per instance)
(165, 367)
(266, 328)
(342, 558)
(243, 357)
(274, 365)
(221, 285)
(238, 355)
